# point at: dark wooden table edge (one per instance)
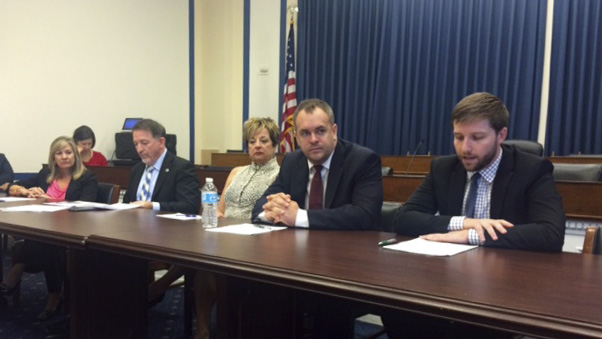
(42, 235)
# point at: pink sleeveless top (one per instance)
(55, 191)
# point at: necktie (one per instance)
(471, 201)
(144, 193)
(316, 191)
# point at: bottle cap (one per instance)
(208, 179)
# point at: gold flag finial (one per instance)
(293, 9)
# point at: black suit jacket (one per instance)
(83, 188)
(523, 193)
(176, 189)
(354, 191)
(6, 170)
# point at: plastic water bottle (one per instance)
(209, 199)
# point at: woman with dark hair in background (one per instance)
(86, 140)
(66, 178)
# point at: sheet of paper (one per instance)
(98, 205)
(68, 203)
(120, 206)
(246, 229)
(34, 208)
(180, 216)
(11, 199)
(421, 246)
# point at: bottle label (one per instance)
(210, 198)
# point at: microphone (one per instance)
(414, 155)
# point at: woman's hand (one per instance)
(18, 191)
(36, 192)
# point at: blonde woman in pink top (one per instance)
(66, 178)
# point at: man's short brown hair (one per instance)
(481, 106)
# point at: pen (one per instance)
(262, 226)
(387, 242)
(186, 215)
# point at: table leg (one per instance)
(108, 295)
(249, 309)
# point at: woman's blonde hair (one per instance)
(78, 167)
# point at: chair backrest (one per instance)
(578, 172)
(107, 193)
(387, 215)
(593, 241)
(528, 146)
(386, 171)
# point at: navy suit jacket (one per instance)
(523, 193)
(83, 188)
(354, 190)
(6, 170)
(176, 189)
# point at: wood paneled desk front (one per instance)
(401, 164)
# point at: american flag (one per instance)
(289, 100)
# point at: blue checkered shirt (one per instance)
(483, 201)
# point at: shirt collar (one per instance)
(268, 164)
(325, 164)
(488, 173)
(157, 165)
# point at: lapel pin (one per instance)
(167, 170)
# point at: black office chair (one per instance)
(528, 146)
(107, 193)
(593, 241)
(387, 214)
(577, 172)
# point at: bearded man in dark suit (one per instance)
(488, 194)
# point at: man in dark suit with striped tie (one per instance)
(162, 181)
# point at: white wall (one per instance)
(219, 29)
(64, 63)
(219, 39)
(264, 59)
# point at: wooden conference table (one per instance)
(540, 294)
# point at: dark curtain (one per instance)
(575, 105)
(394, 69)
